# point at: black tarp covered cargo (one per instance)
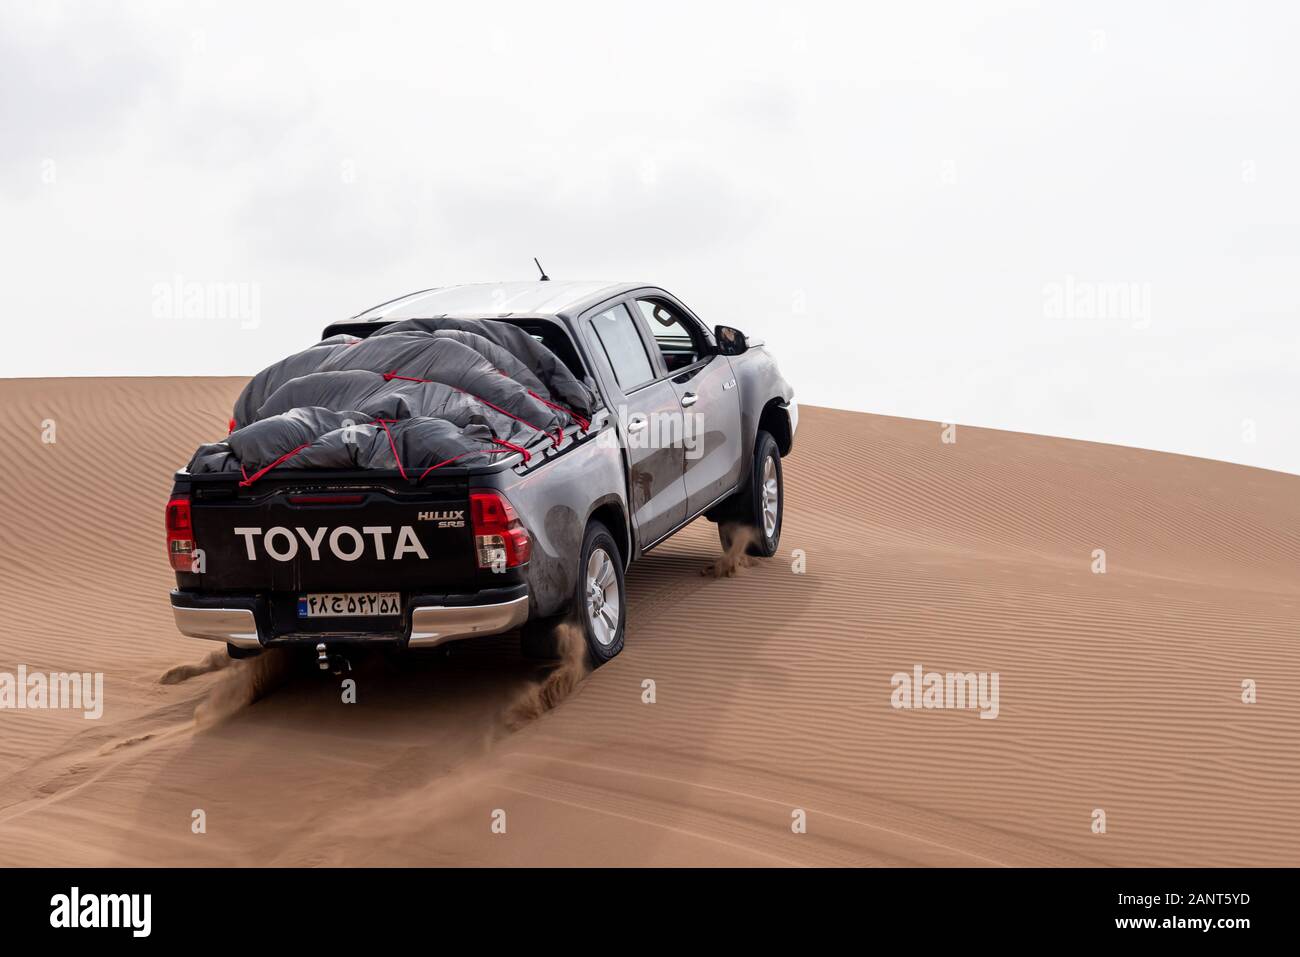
(415, 395)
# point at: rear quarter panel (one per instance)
(554, 501)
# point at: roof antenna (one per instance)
(545, 278)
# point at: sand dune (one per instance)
(1118, 691)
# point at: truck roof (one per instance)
(563, 297)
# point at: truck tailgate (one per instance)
(320, 536)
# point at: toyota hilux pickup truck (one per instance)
(284, 548)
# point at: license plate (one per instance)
(349, 604)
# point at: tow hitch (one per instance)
(336, 662)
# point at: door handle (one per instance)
(689, 399)
(636, 425)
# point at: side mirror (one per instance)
(731, 342)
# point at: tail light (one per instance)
(500, 539)
(180, 534)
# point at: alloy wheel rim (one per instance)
(602, 597)
(771, 499)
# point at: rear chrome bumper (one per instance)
(234, 625)
(430, 624)
(433, 624)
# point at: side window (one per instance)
(672, 334)
(623, 347)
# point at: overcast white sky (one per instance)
(1081, 219)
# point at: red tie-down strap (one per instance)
(506, 447)
(402, 471)
(509, 447)
(557, 438)
(250, 479)
(392, 445)
(582, 423)
(514, 448)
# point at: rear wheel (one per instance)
(598, 608)
(756, 511)
(601, 600)
(241, 653)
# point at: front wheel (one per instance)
(756, 511)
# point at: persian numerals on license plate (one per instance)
(349, 604)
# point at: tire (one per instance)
(600, 588)
(539, 639)
(759, 507)
(239, 654)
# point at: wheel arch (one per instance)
(775, 420)
(610, 513)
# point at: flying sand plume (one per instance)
(242, 683)
(735, 555)
(537, 699)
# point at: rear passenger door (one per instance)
(708, 395)
(641, 401)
